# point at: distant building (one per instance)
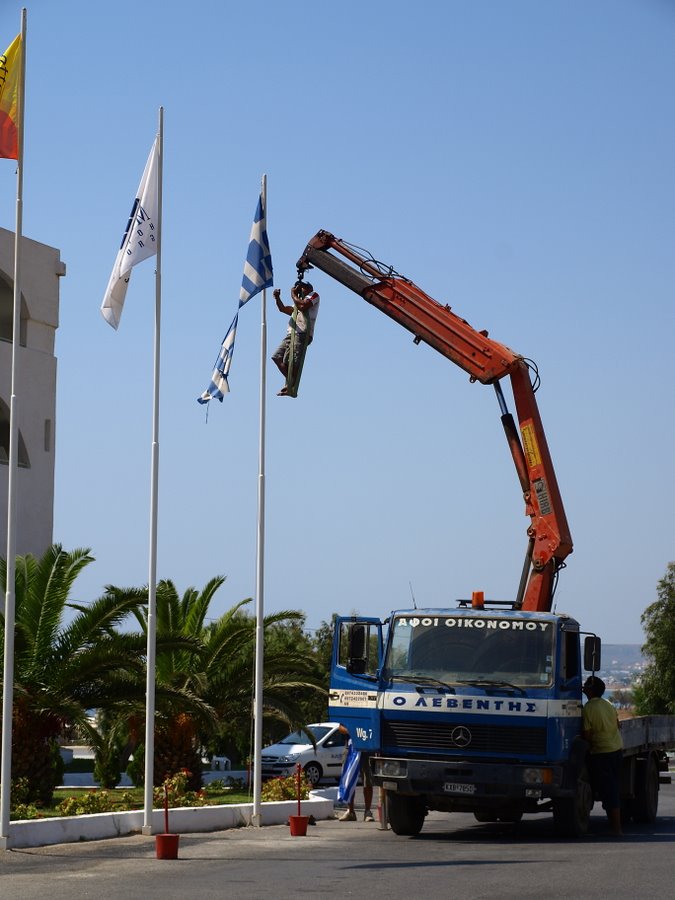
(40, 270)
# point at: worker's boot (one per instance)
(614, 816)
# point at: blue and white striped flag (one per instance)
(257, 275)
(350, 774)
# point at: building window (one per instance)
(7, 312)
(24, 461)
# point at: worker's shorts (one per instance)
(280, 355)
(606, 777)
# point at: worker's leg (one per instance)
(296, 360)
(280, 356)
(349, 815)
(608, 767)
(613, 799)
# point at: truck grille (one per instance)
(432, 737)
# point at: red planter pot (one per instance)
(166, 846)
(298, 825)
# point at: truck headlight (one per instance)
(538, 776)
(393, 768)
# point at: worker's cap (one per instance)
(595, 685)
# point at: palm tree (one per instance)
(68, 659)
(218, 669)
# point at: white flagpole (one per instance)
(154, 483)
(8, 665)
(256, 818)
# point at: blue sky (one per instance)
(515, 159)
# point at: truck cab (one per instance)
(476, 708)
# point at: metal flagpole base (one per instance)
(146, 829)
(4, 843)
(256, 820)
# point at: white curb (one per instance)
(97, 826)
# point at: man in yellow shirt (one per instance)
(601, 730)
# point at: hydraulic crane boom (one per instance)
(486, 361)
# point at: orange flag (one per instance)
(10, 70)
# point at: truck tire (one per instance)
(571, 815)
(644, 806)
(405, 814)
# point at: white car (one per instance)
(322, 761)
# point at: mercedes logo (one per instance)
(460, 736)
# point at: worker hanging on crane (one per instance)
(289, 357)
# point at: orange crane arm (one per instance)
(486, 361)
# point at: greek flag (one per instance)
(350, 774)
(257, 275)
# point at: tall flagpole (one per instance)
(8, 665)
(256, 818)
(154, 483)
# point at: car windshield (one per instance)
(302, 737)
(471, 650)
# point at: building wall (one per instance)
(41, 268)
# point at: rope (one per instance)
(295, 369)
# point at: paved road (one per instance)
(453, 857)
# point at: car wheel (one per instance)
(313, 772)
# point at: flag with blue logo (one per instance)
(350, 774)
(139, 241)
(257, 276)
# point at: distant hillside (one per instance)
(621, 656)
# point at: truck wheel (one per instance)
(571, 815)
(645, 806)
(313, 773)
(405, 814)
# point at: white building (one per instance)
(41, 268)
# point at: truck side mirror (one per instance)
(592, 654)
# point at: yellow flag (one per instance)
(10, 71)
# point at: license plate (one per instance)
(451, 787)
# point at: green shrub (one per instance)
(107, 770)
(136, 767)
(91, 802)
(20, 791)
(286, 788)
(23, 811)
(177, 793)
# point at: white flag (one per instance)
(139, 240)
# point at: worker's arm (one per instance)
(303, 303)
(280, 305)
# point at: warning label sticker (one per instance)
(530, 445)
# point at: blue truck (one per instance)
(478, 708)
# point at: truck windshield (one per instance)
(458, 649)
